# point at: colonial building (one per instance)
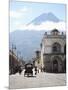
(53, 51)
(37, 59)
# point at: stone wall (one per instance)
(50, 58)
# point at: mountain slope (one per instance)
(44, 17)
(27, 42)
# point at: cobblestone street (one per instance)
(42, 79)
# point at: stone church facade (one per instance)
(53, 51)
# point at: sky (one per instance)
(22, 13)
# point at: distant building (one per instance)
(37, 59)
(53, 52)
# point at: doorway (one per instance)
(55, 66)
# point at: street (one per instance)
(42, 79)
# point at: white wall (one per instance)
(48, 42)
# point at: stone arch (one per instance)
(56, 47)
(57, 64)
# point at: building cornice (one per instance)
(53, 54)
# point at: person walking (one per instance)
(35, 70)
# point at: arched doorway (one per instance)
(55, 66)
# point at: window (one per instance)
(56, 47)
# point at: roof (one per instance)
(55, 30)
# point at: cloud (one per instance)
(43, 26)
(24, 9)
(14, 14)
(18, 13)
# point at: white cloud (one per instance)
(14, 14)
(18, 13)
(44, 26)
(24, 9)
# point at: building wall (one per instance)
(13, 63)
(53, 61)
(48, 42)
(48, 62)
(38, 62)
